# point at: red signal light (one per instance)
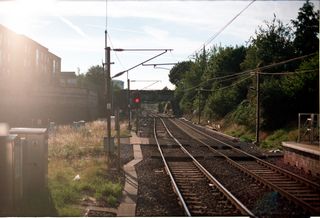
(136, 100)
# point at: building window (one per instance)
(54, 66)
(37, 57)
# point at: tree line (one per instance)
(221, 81)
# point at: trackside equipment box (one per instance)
(34, 142)
(11, 181)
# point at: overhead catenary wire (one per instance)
(150, 85)
(106, 15)
(222, 29)
(109, 37)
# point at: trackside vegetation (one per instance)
(221, 81)
(77, 172)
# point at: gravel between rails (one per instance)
(154, 198)
(155, 194)
(262, 201)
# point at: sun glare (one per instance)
(23, 14)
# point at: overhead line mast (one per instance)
(108, 84)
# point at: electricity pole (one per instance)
(199, 107)
(257, 107)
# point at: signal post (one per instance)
(136, 105)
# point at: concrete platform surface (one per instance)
(127, 206)
(134, 139)
(302, 156)
(312, 149)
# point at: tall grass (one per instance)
(80, 152)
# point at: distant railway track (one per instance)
(199, 193)
(297, 189)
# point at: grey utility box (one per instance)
(108, 147)
(34, 142)
(11, 179)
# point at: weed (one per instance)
(111, 200)
(246, 138)
(79, 152)
(70, 211)
(274, 140)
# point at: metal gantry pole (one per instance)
(118, 136)
(108, 93)
(129, 103)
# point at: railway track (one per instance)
(297, 189)
(199, 193)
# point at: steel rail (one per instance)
(248, 172)
(174, 184)
(243, 209)
(297, 177)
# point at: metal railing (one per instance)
(308, 125)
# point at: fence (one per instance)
(308, 125)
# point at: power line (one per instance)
(222, 88)
(254, 70)
(288, 73)
(283, 62)
(106, 15)
(109, 37)
(217, 78)
(223, 28)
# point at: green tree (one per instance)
(178, 72)
(303, 87)
(271, 44)
(222, 62)
(306, 26)
(94, 79)
(226, 61)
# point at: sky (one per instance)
(74, 30)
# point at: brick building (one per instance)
(25, 63)
(68, 79)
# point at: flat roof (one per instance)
(28, 130)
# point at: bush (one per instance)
(112, 201)
(244, 114)
(274, 140)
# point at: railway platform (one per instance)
(303, 156)
(128, 205)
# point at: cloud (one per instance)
(156, 33)
(181, 25)
(72, 26)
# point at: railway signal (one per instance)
(136, 102)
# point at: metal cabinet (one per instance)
(11, 178)
(34, 143)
